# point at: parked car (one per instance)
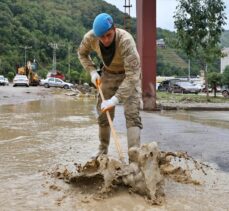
(2, 80)
(199, 85)
(165, 85)
(20, 80)
(7, 82)
(225, 91)
(184, 87)
(55, 82)
(204, 89)
(210, 89)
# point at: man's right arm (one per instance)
(84, 51)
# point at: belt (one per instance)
(114, 72)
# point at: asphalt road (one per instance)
(203, 134)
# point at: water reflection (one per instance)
(28, 131)
(211, 118)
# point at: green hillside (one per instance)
(169, 62)
(170, 56)
(173, 61)
(37, 23)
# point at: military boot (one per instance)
(104, 137)
(133, 137)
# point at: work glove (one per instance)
(109, 104)
(95, 78)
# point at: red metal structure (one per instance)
(146, 43)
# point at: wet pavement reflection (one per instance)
(33, 137)
(211, 118)
(204, 135)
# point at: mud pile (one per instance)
(145, 174)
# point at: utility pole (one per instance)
(1, 67)
(189, 69)
(54, 46)
(127, 20)
(25, 49)
(69, 59)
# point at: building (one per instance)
(224, 60)
(161, 43)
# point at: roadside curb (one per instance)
(194, 107)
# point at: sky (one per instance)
(163, 7)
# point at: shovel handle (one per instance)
(113, 132)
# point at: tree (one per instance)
(74, 76)
(214, 79)
(225, 76)
(42, 73)
(10, 76)
(199, 25)
(84, 77)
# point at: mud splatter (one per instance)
(145, 174)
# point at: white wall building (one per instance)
(224, 60)
(161, 43)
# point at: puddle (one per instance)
(211, 118)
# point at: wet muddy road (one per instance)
(204, 134)
(57, 129)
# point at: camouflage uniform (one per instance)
(121, 78)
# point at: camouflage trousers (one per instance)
(109, 86)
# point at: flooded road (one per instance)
(36, 136)
(33, 137)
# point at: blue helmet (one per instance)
(102, 23)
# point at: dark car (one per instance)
(184, 87)
(225, 91)
(165, 85)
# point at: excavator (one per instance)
(29, 72)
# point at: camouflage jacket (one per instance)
(126, 59)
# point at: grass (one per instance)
(189, 98)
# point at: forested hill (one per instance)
(37, 23)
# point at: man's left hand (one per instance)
(109, 104)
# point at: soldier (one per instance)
(120, 77)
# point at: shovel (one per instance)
(113, 132)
